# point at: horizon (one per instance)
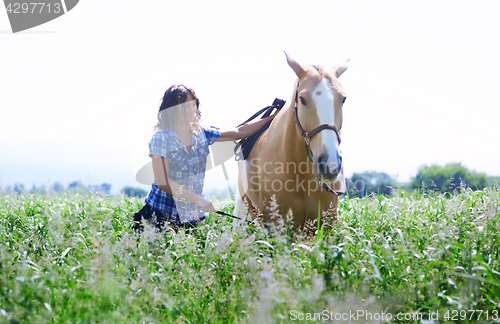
(210, 190)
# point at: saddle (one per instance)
(244, 146)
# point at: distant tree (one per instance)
(370, 182)
(494, 181)
(76, 184)
(18, 187)
(41, 189)
(57, 187)
(134, 192)
(106, 187)
(448, 178)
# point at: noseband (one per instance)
(309, 135)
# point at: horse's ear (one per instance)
(339, 69)
(299, 70)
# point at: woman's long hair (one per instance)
(171, 106)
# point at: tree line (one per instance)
(76, 186)
(436, 178)
(443, 179)
(18, 187)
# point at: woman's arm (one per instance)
(245, 130)
(160, 170)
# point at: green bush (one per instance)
(134, 192)
(494, 181)
(448, 178)
(366, 183)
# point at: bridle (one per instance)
(308, 135)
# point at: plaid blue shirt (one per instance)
(184, 168)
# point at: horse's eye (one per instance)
(303, 101)
(343, 100)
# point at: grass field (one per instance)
(72, 258)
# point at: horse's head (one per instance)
(319, 100)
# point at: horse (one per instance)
(297, 161)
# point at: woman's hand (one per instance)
(245, 130)
(205, 205)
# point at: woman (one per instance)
(178, 150)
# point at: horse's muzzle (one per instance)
(326, 169)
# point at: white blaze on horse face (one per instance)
(323, 98)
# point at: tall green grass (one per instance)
(72, 258)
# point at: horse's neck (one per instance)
(285, 133)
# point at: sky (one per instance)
(79, 94)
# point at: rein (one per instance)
(229, 215)
(307, 140)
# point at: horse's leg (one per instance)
(242, 206)
(238, 202)
(241, 200)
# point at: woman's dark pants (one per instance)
(154, 215)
